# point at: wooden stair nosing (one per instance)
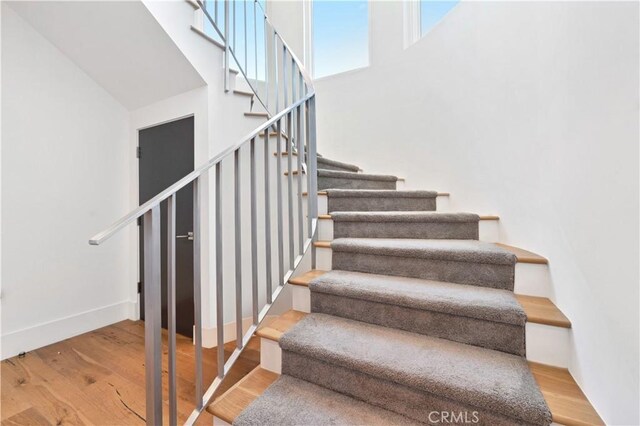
(539, 310)
(482, 217)
(324, 193)
(567, 402)
(256, 114)
(523, 256)
(274, 135)
(231, 403)
(243, 92)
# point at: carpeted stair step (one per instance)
(291, 401)
(349, 180)
(412, 374)
(428, 225)
(328, 164)
(457, 261)
(380, 200)
(479, 316)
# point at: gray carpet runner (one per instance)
(328, 164)
(416, 319)
(290, 401)
(427, 225)
(349, 180)
(364, 200)
(412, 374)
(479, 316)
(457, 261)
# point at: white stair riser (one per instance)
(270, 355)
(442, 203)
(530, 279)
(217, 421)
(489, 230)
(546, 344)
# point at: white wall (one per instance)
(64, 176)
(528, 110)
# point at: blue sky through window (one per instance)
(432, 12)
(340, 36)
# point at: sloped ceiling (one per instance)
(119, 44)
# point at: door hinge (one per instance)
(138, 152)
(139, 287)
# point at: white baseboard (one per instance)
(210, 335)
(47, 333)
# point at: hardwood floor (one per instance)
(97, 378)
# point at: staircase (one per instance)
(410, 318)
(403, 312)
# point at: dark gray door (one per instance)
(165, 156)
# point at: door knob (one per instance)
(189, 236)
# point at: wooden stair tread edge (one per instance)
(482, 217)
(524, 256)
(541, 310)
(275, 135)
(324, 193)
(306, 278)
(568, 404)
(280, 325)
(231, 403)
(243, 92)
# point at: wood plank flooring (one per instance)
(97, 378)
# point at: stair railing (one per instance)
(294, 122)
(262, 56)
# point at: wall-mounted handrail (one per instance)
(296, 116)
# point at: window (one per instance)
(432, 12)
(340, 36)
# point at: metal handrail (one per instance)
(289, 123)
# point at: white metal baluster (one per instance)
(219, 283)
(171, 308)
(255, 40)
(313, 171)
(226, 46)
(290, 189)
(300, 146)
(246, 62)
(152, 316)
(254, 233)
(279, 200)
(267, 216)
(275, 68)
(285, 98)
(238, 246)
(197, 286)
